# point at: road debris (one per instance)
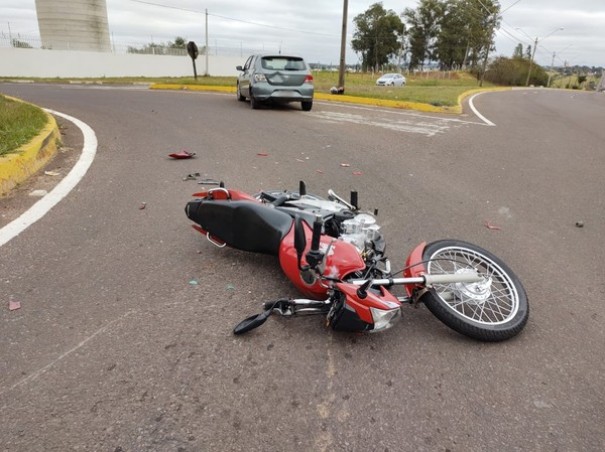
(52, 173)
(38, 193)
(579, 224)
(193, 282)
(319, 171)
(209, 182)
(192, 176)
(181, 155)
(491, 226)
(345, 165)
(143, 205)
(13, 305)
(357, 173)
(262, 154)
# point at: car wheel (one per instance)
(307, 105)
(239, 95)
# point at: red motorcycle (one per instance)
(334, 254)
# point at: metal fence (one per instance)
(20, 41)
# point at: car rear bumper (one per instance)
(265, 92)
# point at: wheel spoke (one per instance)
(498, 306)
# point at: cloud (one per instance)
(312, 28)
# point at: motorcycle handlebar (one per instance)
(317, 225)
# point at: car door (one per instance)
(244, 77)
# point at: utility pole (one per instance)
(531, 61)
(206, 73)
(343, 46)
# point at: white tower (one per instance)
(74, 24)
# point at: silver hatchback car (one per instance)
(277, 78)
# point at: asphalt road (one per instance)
(114, 350)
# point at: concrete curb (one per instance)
(29, 158)
(417, 106)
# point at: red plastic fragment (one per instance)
(262, 154)
(491, 226)
(357, 173)
(319, 171)
(13, 305)
(181, 155)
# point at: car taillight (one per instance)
(309, 78)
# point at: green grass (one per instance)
(19, 123)
(435, 88)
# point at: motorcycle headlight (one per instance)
(384, 319)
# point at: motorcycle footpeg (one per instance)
(282, 307)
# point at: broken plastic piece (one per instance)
(13, 305)
(143, 205)
(181, 155)
(357, 173)
(52, 173)
(345, 165)
(319, 171)
(193, 282)
(491, 226)
(262, 154)
(579, 224)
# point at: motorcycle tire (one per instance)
(491, 311)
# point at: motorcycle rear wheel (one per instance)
(491, 311)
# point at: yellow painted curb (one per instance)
(427, 108)
(29, 158)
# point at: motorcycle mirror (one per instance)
(300, 240)
(252, 322)
(302, 188)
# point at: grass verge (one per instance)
(439, 89)
(19, 123)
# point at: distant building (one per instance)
(74, 24)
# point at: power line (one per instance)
(234, 19)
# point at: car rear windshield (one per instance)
(280, 63)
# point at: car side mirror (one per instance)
(239, 68)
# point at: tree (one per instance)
(423, 23)
(376, 37)
(179, 43)
(518, 53)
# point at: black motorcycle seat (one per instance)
(244, 225)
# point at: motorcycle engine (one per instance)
(359, 230)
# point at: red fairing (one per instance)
(413, 266)
(385, 301)
(218, 194)
(342, 259)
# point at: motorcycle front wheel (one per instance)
(494, 309)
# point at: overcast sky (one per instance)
(312, 28)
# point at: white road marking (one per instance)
(41, 208)
(422, 127)
(479, 115)
(42, 370)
